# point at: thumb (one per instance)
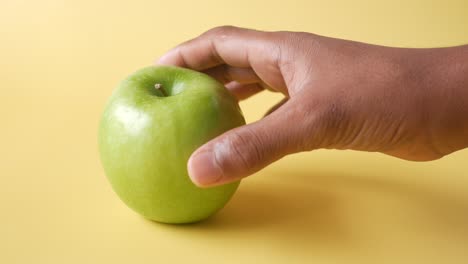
(243, 150)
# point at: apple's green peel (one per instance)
(145, 141)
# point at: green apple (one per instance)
(151, 125)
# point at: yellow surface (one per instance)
(59, 61)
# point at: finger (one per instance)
(226, 74)
(244, 91)
(221, 45)
(244, 150)
(276, 106)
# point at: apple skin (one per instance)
(145, 140)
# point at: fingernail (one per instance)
(203, 169)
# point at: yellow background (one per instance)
(59, 61)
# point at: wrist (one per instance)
(443, 76)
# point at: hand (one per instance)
(408, 103)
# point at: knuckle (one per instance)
(186, 44)
(221, 31)
(301, 44)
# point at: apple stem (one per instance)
(159, 87)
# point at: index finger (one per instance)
(222, 45)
